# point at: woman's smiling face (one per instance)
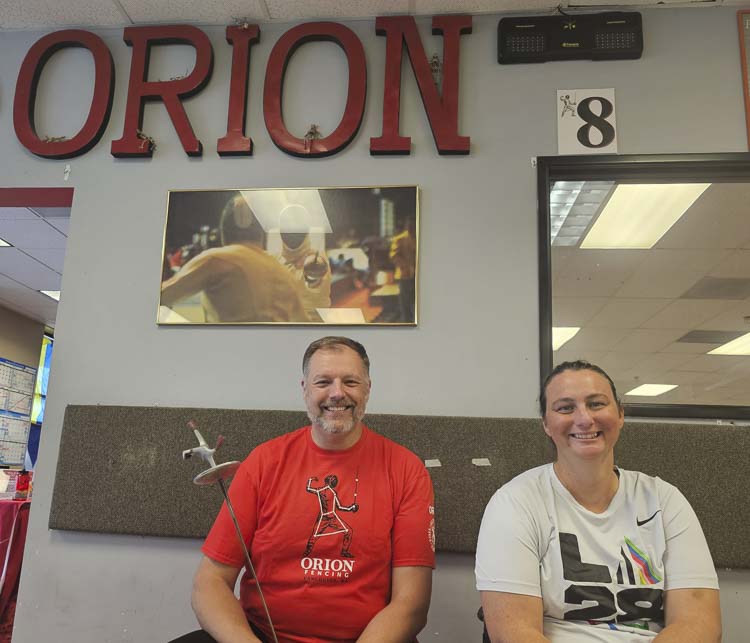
(582, 416)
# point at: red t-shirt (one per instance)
(324, 528)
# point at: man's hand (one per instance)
(216, 607)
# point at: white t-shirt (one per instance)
(601, 576)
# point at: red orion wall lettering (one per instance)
(28, 81)
(355, 100)
(400, 32)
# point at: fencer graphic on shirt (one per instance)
(329, 522)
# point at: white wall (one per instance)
(475, 351)
(20, 338)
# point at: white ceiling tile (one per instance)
(718, 219)
(23, 269)
(659, 364)
(646, 341)
(627, 313)
(434, 7)
(575, 311)
(52, 213)
(50, 257)
(616, 362)
(223, 12)
(28, 14)
(688, 313)
(597, 273)
(12, 214)
(669, 273)
(732, 318)
(736, 265)
(687, 379)
(710, 363)
(306, 9)
(31, 233)
(60, 224)
(688, 348)
(595, 339)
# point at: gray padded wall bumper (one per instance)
(120, 468)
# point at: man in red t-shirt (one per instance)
(366, 577)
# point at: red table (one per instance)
(14, 521)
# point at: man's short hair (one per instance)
(335, 343)
(238, 222)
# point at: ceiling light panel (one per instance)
(739, 346)
(651, 390)
(637, 216)
(562, 335)
(4, 243)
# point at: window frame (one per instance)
(655, 167)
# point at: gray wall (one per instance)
(20, 338)
(475, 351)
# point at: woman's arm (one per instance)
(513, 618)
(691, 616)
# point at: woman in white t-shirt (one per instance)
(579, 550)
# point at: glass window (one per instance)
(645, 271)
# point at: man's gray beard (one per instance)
(333, 428)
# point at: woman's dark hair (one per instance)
(577, 365)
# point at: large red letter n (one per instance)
(442, 111)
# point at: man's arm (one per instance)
(406, 614)
(513, 618)
(193, 277)
(216, 607)
(691, 616)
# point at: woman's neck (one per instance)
(593, 486)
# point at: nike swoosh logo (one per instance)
(640, 523)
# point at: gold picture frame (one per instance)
(292, 256)
(743, 25)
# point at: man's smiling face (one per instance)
(336, 389)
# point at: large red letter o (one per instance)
(355, 100)
(26, 87)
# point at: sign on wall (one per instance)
(586, 121)
(16, 391)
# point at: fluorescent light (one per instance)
(52, 294)
(651, 390)
(4, 243)
(637, 216)
(562, 334)
(562, 196)
(739, 346)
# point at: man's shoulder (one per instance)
(393, 449)
(282, 442)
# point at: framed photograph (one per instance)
(342, 256)
(743, 23)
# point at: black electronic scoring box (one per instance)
(597, 36)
